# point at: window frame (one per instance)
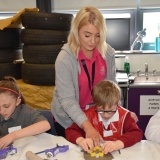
(6, 15)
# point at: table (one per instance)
(144, 150)
(42, 142)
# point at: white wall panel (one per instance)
(14, 6)
(65, 5)
(137, 61)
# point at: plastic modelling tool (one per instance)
(53, 151)
(8, 150)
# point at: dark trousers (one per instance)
(60, 131)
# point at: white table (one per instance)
(42, 142)
(144, 150)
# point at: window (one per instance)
(150, 20)
(5, 15)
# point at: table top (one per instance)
(144, 150)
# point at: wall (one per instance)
(137, 61)
(14, 6)
(58, 5)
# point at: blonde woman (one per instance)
(84, 61)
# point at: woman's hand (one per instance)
(92, 133)
(85, 143)
(134, 116)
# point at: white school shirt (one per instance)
(114, 118)
(152, 131)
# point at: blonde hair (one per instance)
(88, 15)
(106, 93)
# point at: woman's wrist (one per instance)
(86, 125)
(79, 139)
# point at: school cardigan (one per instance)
(127, 129)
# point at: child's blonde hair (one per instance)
(106, 93)
(84, 16)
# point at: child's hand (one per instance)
(6, 140)
(111, 146)
(85, 143)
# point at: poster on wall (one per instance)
(149, 104)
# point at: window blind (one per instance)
(71, 5)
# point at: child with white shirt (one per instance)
(152, 131)
(114, 123)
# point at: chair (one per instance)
(48, 115)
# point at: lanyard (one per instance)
(86, 71)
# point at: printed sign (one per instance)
(149, 105)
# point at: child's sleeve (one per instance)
(36, 116)
(131, 132)
(152, 131)
(73, 132)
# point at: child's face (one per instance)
(107, 113)
(8, 104)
